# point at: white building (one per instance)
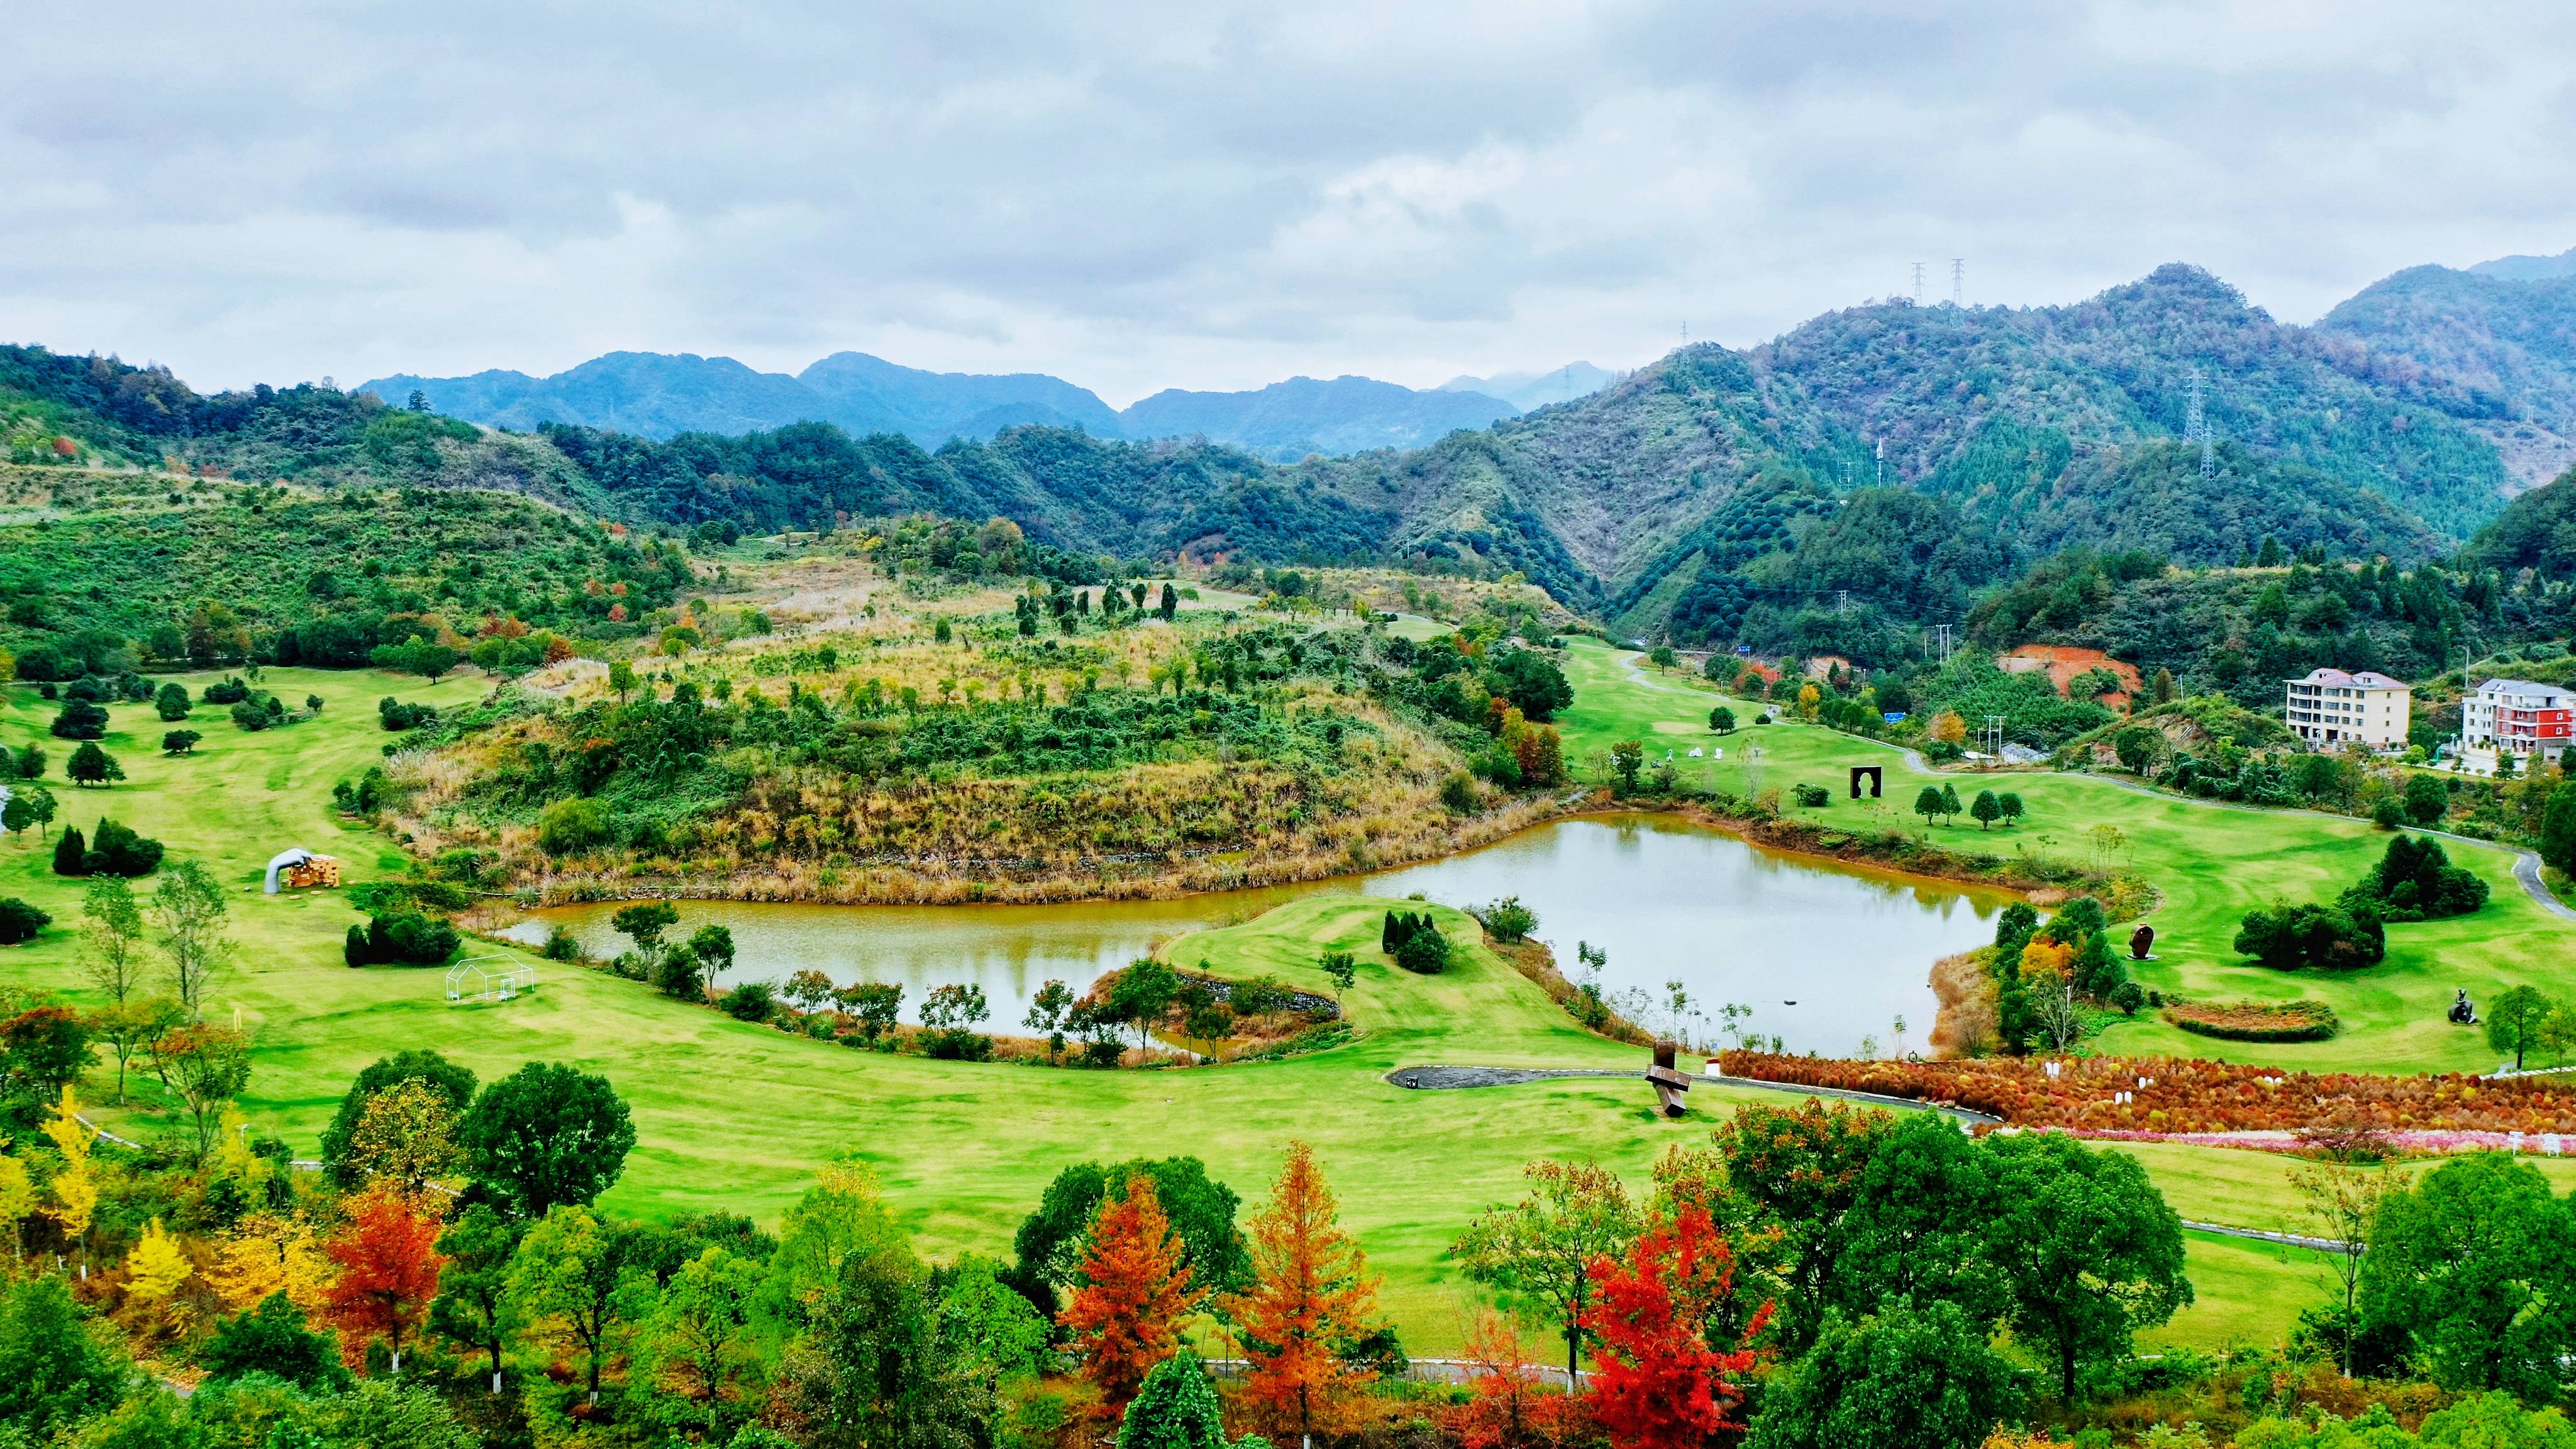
(2330, 707)
(2517, 717)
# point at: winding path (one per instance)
(1459, 1079)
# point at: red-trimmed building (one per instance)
(2515, 716)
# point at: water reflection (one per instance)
(1664, 900)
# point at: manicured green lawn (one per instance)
(2212, 863)
(739, 1116)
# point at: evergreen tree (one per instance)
(71, 853)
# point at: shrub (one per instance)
(561, 945)
(401, 938)
(1509, 920)
(397, 716)
(116, 850)
(258, 712)
(80, 719)
(171, 703)
(180, 742)
(20, 921)
(1812, 796)
(2415, 881)
(366, 795)
(71, 854)
(2288, 938)
(1458, 792)
(2388, 814)
(227, 690)
(960, 1045)
(569, 827)
(2257, 1020)
(751, 1001)
(1415, 942)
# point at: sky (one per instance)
(1210, 195)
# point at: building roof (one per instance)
(2522, 686)
(2366, 679)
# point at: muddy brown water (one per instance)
(1822, 954)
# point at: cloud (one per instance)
(1204, 195)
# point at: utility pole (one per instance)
(1882, 462)
(1993, 736)
(1943, 631)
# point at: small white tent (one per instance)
(296, 855)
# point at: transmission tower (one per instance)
(1882, 462)
(1842, 602)
(1943, 632)
(2196, 428)
(1918, 284)
(1992, 737)
(1958, 281)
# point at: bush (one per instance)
(569, 827)
(2288, 938)
(397, 716)
(401, 938)
(180, 742)
(751, 1001)
(1458, 792)
(2388, 815)
(258, 712)
(2415, 881)
(80, 719)
(959, 1045)
(1510, 921)
(2257, 1020)
(116, 850)
(1812, 796)
(561, 945)
(20, 921)
(369, 793)
(171, 703)
(1415, 943)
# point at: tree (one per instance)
(621, 677)
(1986, 809)
(1722, 720)
(1801, 1170)
(2089, 1251)
(57, 1367)
(1047, 1009)
(1627, 757)
(1175, 1408)
(566, 1282)
(1340, 967)
(71, 854)
(1312, 1298)
(27, 762)
(713, 947)
(873, 1374)
(1050, 1242)
(127, 1026)
(547, 1135)
(189, 907)
(2518, 1020)
(171, 701)
(18, 815)
(389, 1265)
(405, 1139)
(697, 1348)
(274, 1339)
(2428, 798)
(474, 1309)
(2558, 829)
(984, 1323)
(453, 1084)
(1657, 1381)
(2342, 1199)
(1170, 604)
(43, 1050)
(1142, 993)
(646, 922)
(2289, 938)
(80, 719)
(180, 742)
(2471, 1266)
(1927, 802)
(19, 921)
(1914, 1223)
(1539, 1251)
(90, 765)
(1135, 1292)
(2011, 806)
(1950, 807)
(1924, 1378)
(205, 1067)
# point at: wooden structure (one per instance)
(1873, 772)
(299, 869)
(1669, 1080)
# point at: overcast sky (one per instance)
(1206, 195)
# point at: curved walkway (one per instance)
(1459, 1079)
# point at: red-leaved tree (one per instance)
(1135, 1292)
(389, 1265)
(1509, 1404)
(1657, 1382)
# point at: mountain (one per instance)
(1530, 391)
(1289, 420)
(2529, 269)
(2504, 331)
(661, 395)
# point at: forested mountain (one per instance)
(2505, 330)
(1288, 420)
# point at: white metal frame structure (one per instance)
(489, 977)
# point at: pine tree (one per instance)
(1176, 1408)
(1134, 1294)
(1950, 806)
(71, 853)
(1314, 1297)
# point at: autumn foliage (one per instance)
(1313, 1297)
(1134, 1294)
(1509, 1402)
(2181, 1094)
(1657, 1382)
(389, 1265)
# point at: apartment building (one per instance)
(2330, 707)
(2517, 717)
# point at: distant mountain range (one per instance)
(1530, 391)
(661, 395)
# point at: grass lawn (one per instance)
(739, 1116)
(2212, 863)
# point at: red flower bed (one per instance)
(2183, 1094)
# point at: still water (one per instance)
(1822, 955)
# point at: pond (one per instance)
(1823, 955)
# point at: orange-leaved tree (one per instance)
(1657, 1382)
(389, 1262)
(1135, 1292)
(1312, 1299)
(1509, 1403)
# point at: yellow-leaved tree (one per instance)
(154, 1273)
(17, 1199)
(75, 1187)
(269, 1253)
